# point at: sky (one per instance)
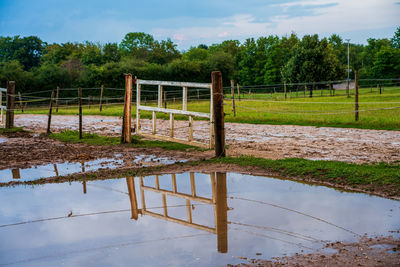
(190, 23)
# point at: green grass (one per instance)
(98, 140)
(265, 108)
(326, 171)
(12, 130)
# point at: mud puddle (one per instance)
(3, 140)
(189, 219)
(67, 168)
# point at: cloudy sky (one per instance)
(189, 22)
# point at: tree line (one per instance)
(36, 65)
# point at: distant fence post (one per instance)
(285, 89)
(21, 106)
(305, 90)
(101, 98)
(348, 88)
(50, 111)
(238, 90)
(356, 94)
(233, 98)
(126, 133)
(165, 99)
(380, 89)
(10, 105)
(218, 110)
(80, 112)
(57, 95)
(311, 89)
(330, 89)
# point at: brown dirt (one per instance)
(266, 141)
(25, 149)
(384, 252)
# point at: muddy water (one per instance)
(186, 220)
(66, 168)
(3, 140)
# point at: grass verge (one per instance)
(12, 130)
(98, 140)
(369, 176)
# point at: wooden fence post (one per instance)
(10, 105)
(380, 89)
(305, 89)
(285, 89)
(330, 89)
(101, 98)
(21, 106)
(80, 112)
(218, 101)
(356, 94)
(233, 98)
(311, 89)
(348, 88)
(238, 90)
(57, 95)
(50, 111)
(184, 98)
(127, 117)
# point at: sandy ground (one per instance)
(379, 251)
(267, 141)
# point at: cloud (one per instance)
(318, 16)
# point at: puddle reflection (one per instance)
(196, 219)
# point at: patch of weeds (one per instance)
(99, 140)
(12, 130)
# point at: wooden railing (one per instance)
(173, 112)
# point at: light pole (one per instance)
(348, 59)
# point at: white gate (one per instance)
(172, 112)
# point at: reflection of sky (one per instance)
(122, 241)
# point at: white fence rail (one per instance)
(172, 112)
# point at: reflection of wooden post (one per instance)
(10, 105)
(189, 211)
(83, 166)
(84, 187)
(55, 169)
(192, 184)
(132, 197)
(142, 193)
(218, 102)
(164, 200)
(16, 174)
(50, 111)
(174, 187)
(126, 135)
(222, 216)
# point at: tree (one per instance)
(111, 53)
(313, 60)
(387, 63)
(136, 44)
(396, 39)
(27, 50)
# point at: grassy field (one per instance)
(376, 111)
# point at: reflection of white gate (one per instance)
(2, 108)
(172, 112)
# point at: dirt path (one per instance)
(267, 141)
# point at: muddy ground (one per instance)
(350, 145)
(379, 251)
(266, 141)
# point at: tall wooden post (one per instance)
(356, 94)
(50, 111)
(80, 112)
(57, 95)
(10, 105)
(233, 97)
(285, 89)
(101, 98)
(126, 135)
(238, 90)
(21, 106)
(218, 101)
(221, 213)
